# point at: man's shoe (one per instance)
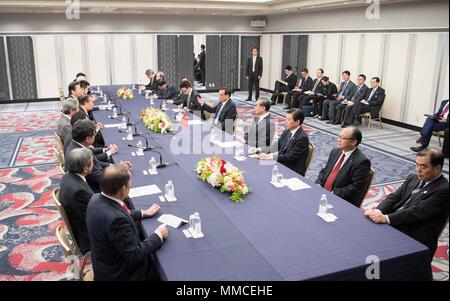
(419, 141)
(335, 122)
(417, 148)
(330, 122)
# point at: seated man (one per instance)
(152, 84)
(87, 106)
(438, 122)
(304, 83)
(309, 95)
(75, 90)
(445, 144)
(285, 85)
(346, 89)
(70, 106)
(372, 102)
(347, 170)
(118, 252)
(74, 194)
(85, 87)
(225, 111)
(291, 149)
(188, 100)
(166, 91)
(347, 106)
(327, 91)
(262, 130)
(419, 208)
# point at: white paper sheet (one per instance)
(112, 125)
(143, 190)
(194, 122)
(226, 143)
(276, 184)
(171, 220)
(295, 184)
(328, 217)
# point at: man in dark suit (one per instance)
(327, 91)
(118, 252)
(70, 106)
(225, 111)
(309, 95)
(254, 73)
(152, 84)
(87, 106)
(371, 103)
(347, 105)
(439, 122)
(285, 85)
(346, 90)
(347, 170)
(75, 90)
(262, 130)
(419, 208)
(202, 63)
(166, 91)
(291, 149)
(304, 83)
(445, 144)
(188, 100)
(74, 194)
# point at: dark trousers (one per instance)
(308, 100)
(445, 144)
(279, 87)
(317, 105)
(351, 113)
(253, 80)
(429, 127)
(297, 99)
(203, 73)
(329, 109)
(338, 112)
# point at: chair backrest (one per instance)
(61, 168)
(367, 187)
(73, 244)
(208, 114)
(59, 155)
(235, 121)
(311, 148)
(61, 94)
(59, 142)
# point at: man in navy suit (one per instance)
(291, 149)
(346, 90)
(118, 252)
(372, 102)
(166, 91)
(347, 170)
(304, 83)
(419, 208)
(347, 105)
(285, 85)
(225, 111)
(437, 123)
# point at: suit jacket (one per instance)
(360, 94)
(349, 89)
(97, 151)
(118, 253)
(291, 81)
(201, 63)
(227, 116)
(292, 153)
(328, 92)
(307, 84)
(319, 85)
(261, 134)
(191, 102)
(74, 196)
(441, 107)
(424, 215)
(152, 84)
(99, 141)
(258, 66)
(352, 176)
(168, 93)
(93, 179)
(64, 127)
(376, 102)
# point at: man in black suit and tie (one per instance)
(119, 253)
(371, 103)
(202, 63)
(254, 73)
(188, 100)
(74, 194)
(285, 85)
(346, 90)
(225, 111)
(438, 122)
(419, 208)
(309, 95)
(327, 91)
(347, 106)
(87, 106)
(304, 83)
(262, 130)
(75, 90)
(347, 170)
(70, 106)
(152, 84)
(83, 135)
(166, 91)
(291, 149)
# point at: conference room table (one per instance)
(274, 234)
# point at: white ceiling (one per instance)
(179, 7)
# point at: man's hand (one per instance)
(339, 97)
(169, 101)
(180, 106)
(254, 150)
(259, 76)
(200, 100)
(112, 148)
(152, 210)
(127, 164)
(364, 102)
(264, 156)
(350, 103)
(162, 229)
(377, 217)
(98, 127)
(442, 120)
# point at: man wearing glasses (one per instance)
(347, 170)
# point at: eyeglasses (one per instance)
(343, 138)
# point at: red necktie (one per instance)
(126, 209)
(332, 177)
(445, 110)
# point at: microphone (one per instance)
(161, 164)
(135, 131)
(147, 148)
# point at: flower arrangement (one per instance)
(125, 93)
(156, 120)
(223, 175)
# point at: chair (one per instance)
(59, 142)
(311, 148)
(208, 114)
(367, 187)
(235, 121)
(440, 135)
(61, 167)
(73, 243)
(59, 155)
(61, 94)
(284, 94)
(65, 240)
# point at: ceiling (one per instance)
(179, 7)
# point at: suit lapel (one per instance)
(332, 163)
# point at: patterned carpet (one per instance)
(29, 173)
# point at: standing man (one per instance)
(201, 63)
(254, 73)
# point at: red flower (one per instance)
(222, 168)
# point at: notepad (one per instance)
(143, 190)
(112, 125)
(172, 220)
(328, 217)
(295, 184)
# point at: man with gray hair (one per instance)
(69, 107)
(152, 85)
(74, 194)
(262, 129)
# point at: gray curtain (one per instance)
(186, 58)
(247, 43)
(212, 62)
(4, 90)
(295, 52)
(21, 66)
(229, 54)
(168, 57)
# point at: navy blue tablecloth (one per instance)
(274, 234)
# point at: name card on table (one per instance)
(112, 125)
(143, 190)
(172, 220)
(295, 184)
